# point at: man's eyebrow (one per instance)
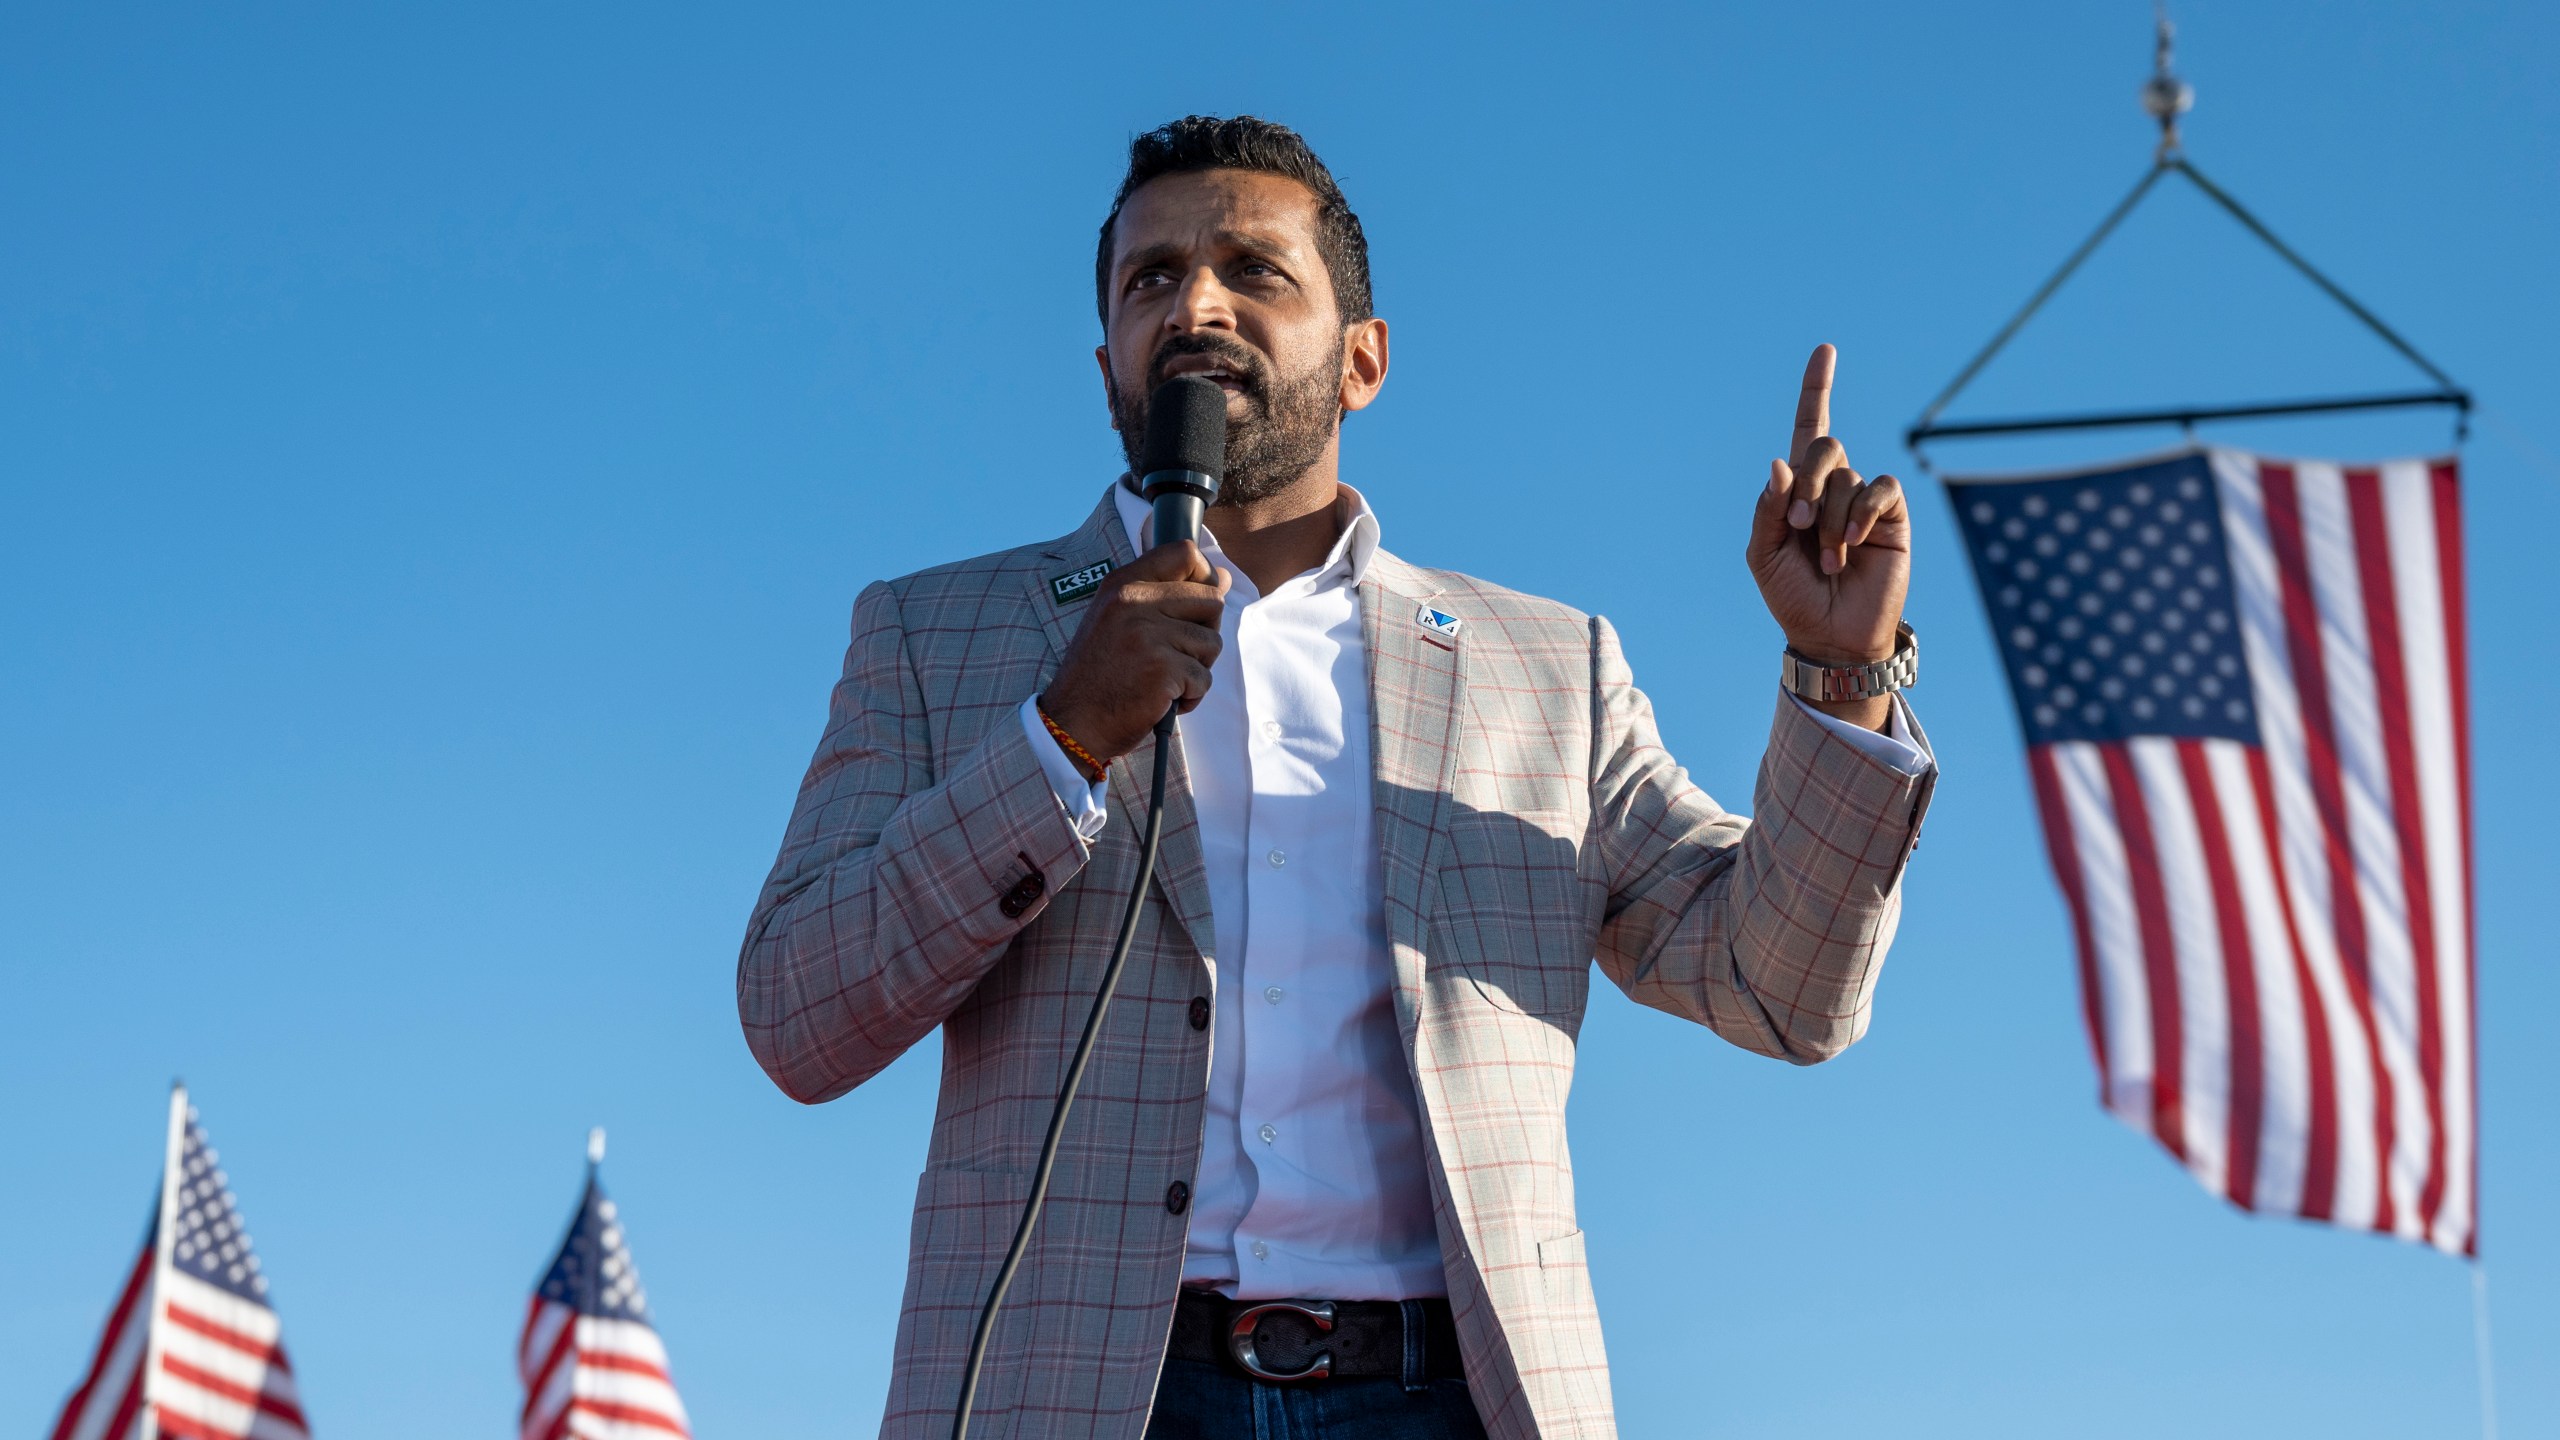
(1164, 251)
(1255, 244)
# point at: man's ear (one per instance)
(1364, 362)
(1110, 392)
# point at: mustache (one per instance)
(1250, 368)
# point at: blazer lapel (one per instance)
(1101, 538)
(1181, 874)
(1417, 677)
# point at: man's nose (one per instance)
(1201, 304)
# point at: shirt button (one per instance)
(1261, 1251)
(1273, 994)
(1268, 1134)
(1277, 858)
(1271, 728)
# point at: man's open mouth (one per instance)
(1226, 376)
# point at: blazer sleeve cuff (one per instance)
(1847, 799)
(1898, 745)
(1083, 800)
(1003, 837)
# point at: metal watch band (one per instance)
(1854, 682)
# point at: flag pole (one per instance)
(2480, 1343)
(173, 1157)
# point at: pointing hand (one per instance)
(1830, 549)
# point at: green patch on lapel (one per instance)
(1078, 585)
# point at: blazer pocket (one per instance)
(1565, 1269)
(964, 1219)
(1514, 917)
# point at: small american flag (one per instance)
(592, 1363)
(192, 1349)
(2242, 682)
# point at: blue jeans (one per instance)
(1196, 1400)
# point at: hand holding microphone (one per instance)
(1151, 634)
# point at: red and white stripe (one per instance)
(594, 1378)
(222, 1374)
(2275, 941)
(207, 1365)
(108, 1404)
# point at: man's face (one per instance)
(1216, 273)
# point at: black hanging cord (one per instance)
(1149, 836)
(1924, 426)
(2329, 287)
(1928, 427)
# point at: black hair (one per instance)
(1243, 142)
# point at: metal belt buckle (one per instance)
(1318, 1313)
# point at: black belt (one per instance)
(1286, 1341)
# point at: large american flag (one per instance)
(2242, 682)
(592, 1363)
(192, 1350)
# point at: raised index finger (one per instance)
(1813, 404)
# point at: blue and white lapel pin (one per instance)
(1438, 622)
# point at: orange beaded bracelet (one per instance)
(1085, 763)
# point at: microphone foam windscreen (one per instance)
(1186, 428)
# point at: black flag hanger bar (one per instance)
(2167, 97)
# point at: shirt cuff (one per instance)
(1081, 800)
(1895, 749)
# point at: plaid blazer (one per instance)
(1529, 821)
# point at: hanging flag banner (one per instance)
(2243, 691)
(192, 1349)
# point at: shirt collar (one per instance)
(1352, 550)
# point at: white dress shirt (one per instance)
(1312, 1178)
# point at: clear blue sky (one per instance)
(439, 451)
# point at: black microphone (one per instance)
(1184, 458)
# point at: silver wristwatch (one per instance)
(1854, 682)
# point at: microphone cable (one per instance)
(1147, 841)
(1184, 462)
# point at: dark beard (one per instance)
(1286, 424)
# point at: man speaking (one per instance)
(1316, 1181)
